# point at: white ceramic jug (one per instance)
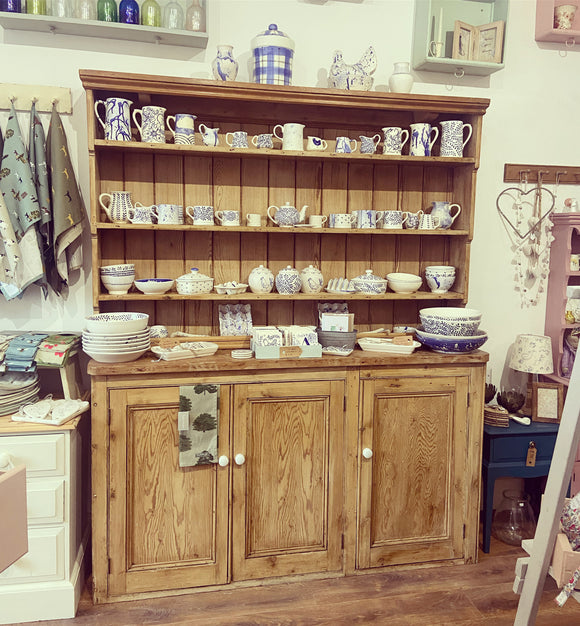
(117, 209)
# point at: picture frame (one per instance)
(463, 39)
(488, 43)
(547, 402)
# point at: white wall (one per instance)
(533, 118)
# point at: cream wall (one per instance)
(532, 119)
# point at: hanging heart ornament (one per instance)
(515, 196)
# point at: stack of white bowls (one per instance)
(116, 337)
(118, 279)
(440, 278)
(451, 329)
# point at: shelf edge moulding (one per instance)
(24, 95)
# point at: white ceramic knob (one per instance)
(223, 460)
(240, 459)
(5, 461)
(367, 453)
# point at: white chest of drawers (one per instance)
(46, 582)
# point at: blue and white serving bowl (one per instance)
(451, 343)
(151, 286)
(454, 321)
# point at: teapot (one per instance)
(287, 215)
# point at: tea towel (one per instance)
(198, 424)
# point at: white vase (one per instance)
(224, 66)
(401, 80)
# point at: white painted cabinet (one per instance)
(46, 582)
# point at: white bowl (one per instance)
(151, 286)
(116, 323)
(450, 269)
(118, 269)
(118, 337)
(118, 285)
(100, 349)
(400, 282)
(122, 357)
(453, 321)
(440, 283)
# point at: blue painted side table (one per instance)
(504, 454)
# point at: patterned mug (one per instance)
(152, 126)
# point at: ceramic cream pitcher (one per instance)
(117, 208)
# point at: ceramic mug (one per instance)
(316, 143)
(413, 219)
(393, 219)
(368, 145)
(452, 138)
(254, 220)
(152, 126)
(117, 123)
(292, 136)
(422, 140)
(365, 218)
(428, 222)
(317, 221)
(264, 140)
(239, 139)
(169, 213)
(158, 331)
(345, 145)
(209, 136)
(181, 126)
(200, 215)
(228, 218)
(341, 220)
(140, 214)
(395, 138)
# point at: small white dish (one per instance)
(384, 345)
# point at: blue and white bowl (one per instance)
(151, 286)
(116, 323)
(454, 321)
(451, 343)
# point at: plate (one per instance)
(376, 344)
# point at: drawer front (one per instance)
(515, 449)
(43, 455)
(45, 501)
(45, 559)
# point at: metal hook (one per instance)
(12, 98)
(54, 101)
(558, 176)
(541, 177)
(459, 72)
(570, 43)
(524, 178)
(34, 99)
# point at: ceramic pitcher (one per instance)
(452, 137)
(117, 122)
(292, 136)
(422, 139)
(443, 211)
(152, 126)
(117, 208)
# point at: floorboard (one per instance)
(462, 595)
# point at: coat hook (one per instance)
(459, 72)
(558, 174)
(12, 98)
(34, 99)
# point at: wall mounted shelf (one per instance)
(430, 14)
(104, 30)
(545, 30)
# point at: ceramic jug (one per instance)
(224, 66)
(312, 280)
(261, 280)
(117, 209)
(287, 215)
(442, 210)
(292, 135)
(209, 136)
(117, 123)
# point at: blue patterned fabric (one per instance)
(273, 65)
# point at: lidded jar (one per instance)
(312, 280)
(288, 280)
(273, 52)
(514, 518)
(261, 280)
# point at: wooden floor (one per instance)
(465, 594)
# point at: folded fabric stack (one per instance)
(21, 352)
(17, 389)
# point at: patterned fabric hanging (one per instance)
(37, 159)
(19, 191)
(68, 209)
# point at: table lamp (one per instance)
(532, 354)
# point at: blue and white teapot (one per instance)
(287, 215)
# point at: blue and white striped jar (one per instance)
(273, 54)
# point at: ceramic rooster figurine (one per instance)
(356, 76)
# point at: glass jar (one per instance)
(36, 7)
(129, 12)
(11, 6)
(173, 16)
(107, 11)
(514, 518)
(151, 13)
(85, 10)
(195, 17)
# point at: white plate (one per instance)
(338, 291)
(376, 344)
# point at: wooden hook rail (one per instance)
(24, 95)
(550, 174)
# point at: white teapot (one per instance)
(287, 215)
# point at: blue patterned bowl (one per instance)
(454, 321)
(451, 343)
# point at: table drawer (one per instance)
(45, 501)
(43, 455)
(505, 449)
(44, 560)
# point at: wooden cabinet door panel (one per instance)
(168, 524)
(412, 491)
(287, 494)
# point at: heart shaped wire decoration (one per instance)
(517, 200)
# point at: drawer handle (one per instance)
(5, 462)
(367, 453)
(240, 459)
(223, 461)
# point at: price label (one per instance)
(290, 351)
(531, 456)
(405, 340)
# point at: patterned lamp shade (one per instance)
(532, 354)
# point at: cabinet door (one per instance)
(287, 494)
(168, 524)
(412, 488)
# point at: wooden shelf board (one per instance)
(139, 146)
(450, 66)
(248, 296)
(104, 30)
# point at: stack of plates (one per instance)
(116, 348)
(242, 354)
(16, 389)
